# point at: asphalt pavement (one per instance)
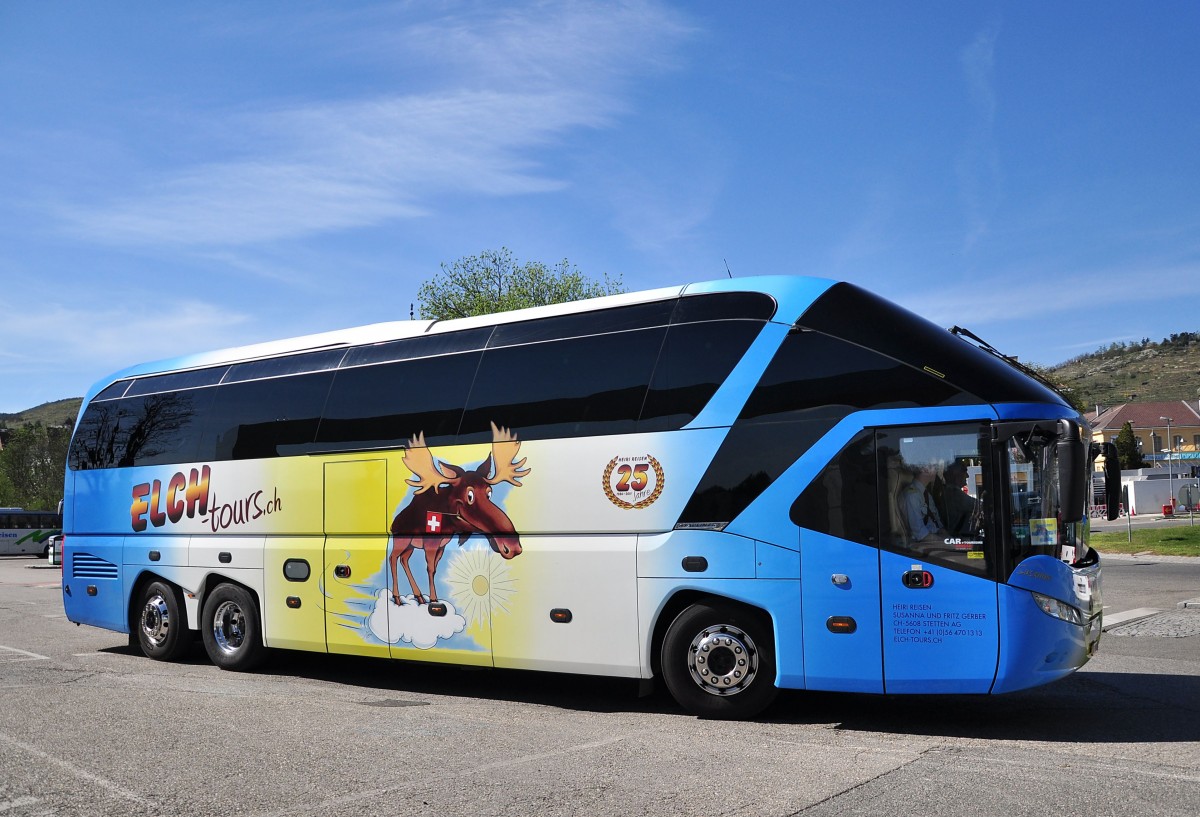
(93, 728)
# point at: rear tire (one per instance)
(718, 661)
(231, 629)
(160, 626)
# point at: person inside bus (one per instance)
(957, 506)
(920, 511)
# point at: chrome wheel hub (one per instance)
(156, 620)
(723, 659)
(229, 627)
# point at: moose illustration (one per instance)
(451, 501)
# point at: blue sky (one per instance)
(180, 177)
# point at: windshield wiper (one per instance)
(980, 343)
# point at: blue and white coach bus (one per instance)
(735, 487)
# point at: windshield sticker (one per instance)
(1043, 532)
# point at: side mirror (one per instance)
(1073, 479)
(1112, 480)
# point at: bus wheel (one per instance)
(231, 630)
(160, 629)
(717, 661)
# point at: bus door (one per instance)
(840, 595)
(839, 562)
(355, 578)
(937, 568)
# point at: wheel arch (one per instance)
(214, 580)
(682, 599)
(133, 609)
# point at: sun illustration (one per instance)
(479, 583)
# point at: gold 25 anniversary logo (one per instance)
(634, 482)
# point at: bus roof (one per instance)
(794, 294)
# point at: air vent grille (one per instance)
(87, 566)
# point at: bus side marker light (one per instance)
(437, 608)
(695, 564)
(224, 557)
(91, 589)
(155, 555)
(843, 625)
(342, 571)
(293, 602)
(561, 615)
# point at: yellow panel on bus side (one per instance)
(293, 604)
(356, 543)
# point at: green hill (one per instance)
(1133, 372)
(57, 413)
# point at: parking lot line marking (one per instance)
(1129, 615)
(107, 785)
(29, 656)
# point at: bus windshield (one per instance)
(1036, 505)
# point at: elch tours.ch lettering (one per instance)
(191, 495)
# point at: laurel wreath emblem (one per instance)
(660, 481)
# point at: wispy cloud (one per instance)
(78, 345)
(497, 89)
(978, 165)
(96, 340)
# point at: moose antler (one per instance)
(427, 473)
(504, 455)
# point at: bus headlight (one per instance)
(1058, 609)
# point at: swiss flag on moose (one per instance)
(433, 522)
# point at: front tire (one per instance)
(231, 629)
(718, 661)
(159, 627)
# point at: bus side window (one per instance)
(932, 505)
(695, 360)
(386, 404)
(264, 418)
(563, 388)
(841, 500)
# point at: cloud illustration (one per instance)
(411, 622)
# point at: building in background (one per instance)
(1171, 452)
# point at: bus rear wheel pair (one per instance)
(718, 660)
(229, 626)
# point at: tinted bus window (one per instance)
(866, 319)
(113, 391)
(621, 319)
(753, 305)
(92, 445)
(565, 388)
(696, 358)
(812, 382)
(813, 370)
(423, 346)
(386, 405)
(843, 499)
(161, 428)
(264, 418)
(176, 381)
(146, 430)
(281, 366)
